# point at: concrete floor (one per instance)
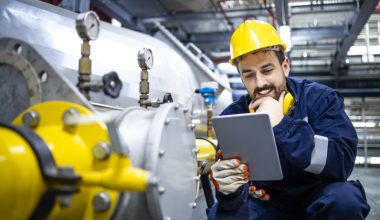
(369, 177)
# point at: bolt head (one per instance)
(101, 151)
(31, 119)
(161, 152)
(192, 126)
(101, 201)
(176, 107)
(167, 121)
(193, 205)
(64, 201)
(161, 190)
(68, 117)
(195, 150)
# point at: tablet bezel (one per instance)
(236, 139)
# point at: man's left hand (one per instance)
(272, 107)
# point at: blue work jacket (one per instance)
(316, 142)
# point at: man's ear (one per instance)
(286, 66)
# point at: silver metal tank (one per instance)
(145, 134)
(51, 31)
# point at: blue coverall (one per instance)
(316, 144)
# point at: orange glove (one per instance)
(228, 175)
(258, 193)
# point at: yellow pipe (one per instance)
(21, 184)
(122, 177)
(72, 146)
(206, 150)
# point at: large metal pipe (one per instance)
(51, 31)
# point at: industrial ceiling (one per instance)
(322, 33)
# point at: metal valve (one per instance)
(112, 84)
(145, 61)
(208, 92)
(167, 98)
(88, 27)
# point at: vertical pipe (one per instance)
(209, 121)
(367, 40)
(365, 134)
(84, 69)
(378, 32)
(207, 190)
(144, 89)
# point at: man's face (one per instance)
(263, 75)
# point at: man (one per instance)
(316, 141)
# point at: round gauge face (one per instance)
(88, 25)
(145, 58)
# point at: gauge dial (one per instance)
(145, 58)
(88, 25)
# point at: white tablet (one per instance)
(249, 137)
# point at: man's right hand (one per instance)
(228, 175)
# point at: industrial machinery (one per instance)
(80, 144)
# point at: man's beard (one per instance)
(277, 91)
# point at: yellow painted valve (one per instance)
(83, 148)
(21, 184)
(206, 149)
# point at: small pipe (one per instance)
(270, 12)
(209, 121)
(229, 22)
(365, 134)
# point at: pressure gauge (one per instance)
(145, 58)
(88, 25)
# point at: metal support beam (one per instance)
(362, 17)
(323, 8)
(309, 58)
(365, 133)
(282, 12)
(114, 10)
(76, 5)
(316, 33)
(314, 46)
(211, 37)
(298, 34)
(208, 15)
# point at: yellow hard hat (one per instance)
(254, 35)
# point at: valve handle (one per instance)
(167, 98)
(112, 84)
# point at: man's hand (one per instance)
(258, 193)
(228, 175)
(270, 106)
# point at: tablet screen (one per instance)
(249, 137)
